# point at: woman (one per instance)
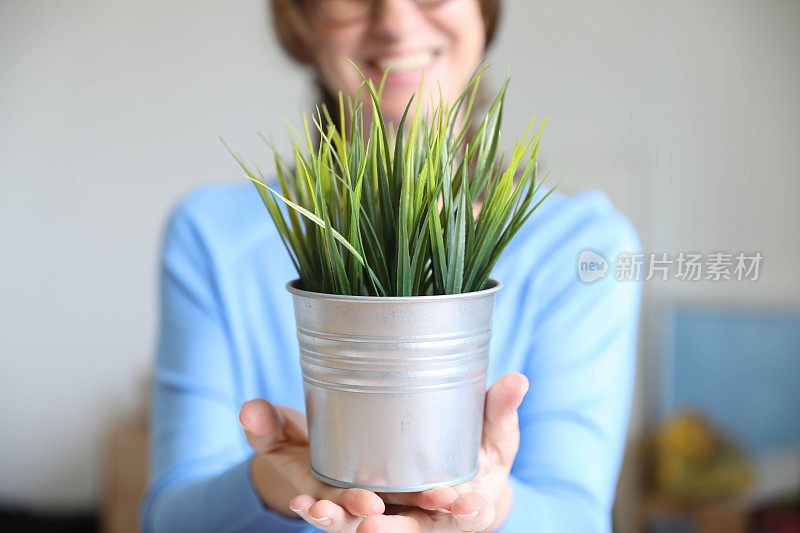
(228, 339)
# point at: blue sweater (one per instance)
(227, 335)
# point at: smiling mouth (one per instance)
(403, 63)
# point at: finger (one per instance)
(295, 425)
(438, 499)
(323, 514)
(331, 517)
(263, 425)
(362, 502)
(301, 504)
(357, 502)
(408, 522)
(505, 396)
(500, 421)
(472, 512)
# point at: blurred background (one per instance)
(686, 113)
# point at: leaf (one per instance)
(362, 217)
(455, 274)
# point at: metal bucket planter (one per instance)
(394, 387)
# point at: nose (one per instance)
(393, 18)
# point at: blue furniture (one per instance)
(740, 367)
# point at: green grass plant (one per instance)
(379, 210)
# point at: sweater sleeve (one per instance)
(581, 362)
(199, 468)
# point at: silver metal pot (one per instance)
(394, 387)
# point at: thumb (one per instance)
(500, 420)
(263, 425)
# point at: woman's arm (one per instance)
(200, 462)
(581, 366)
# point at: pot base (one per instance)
(379, 488)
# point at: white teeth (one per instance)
(405, 63)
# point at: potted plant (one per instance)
(393, 301)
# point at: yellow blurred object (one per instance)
(694, 462)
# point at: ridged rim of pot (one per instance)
(493, 287)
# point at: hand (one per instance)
(480, 504)
(281, 468)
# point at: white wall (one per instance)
(726, 162)
(685, 112)
(110, 111)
